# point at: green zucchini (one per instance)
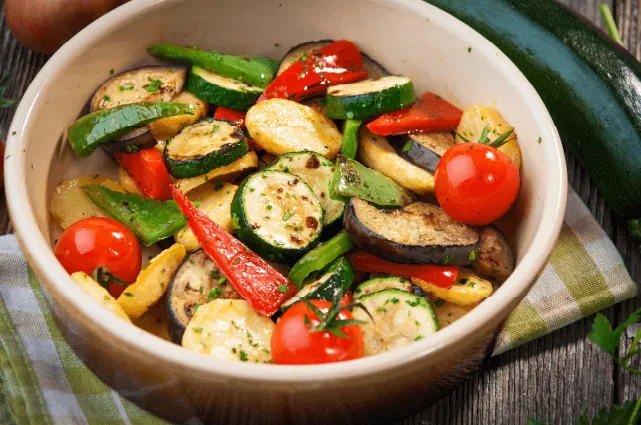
(382, 283)
(102, 127)
(317, 171)
(204, 146)
(369, 97)
(222, 91)
(332, 282)
(400, 318)
(277, 215)
(590, 85)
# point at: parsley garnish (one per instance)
(106, 98)
(129, 294)
(153, 86)
(235, 221)
(222, 280)
(198, 330)
(407, 146)
(214, 293)
(243, 356)
(472, 256)
(218, 185)
(123, 88)
(283, 288)
(439, 303)
(287, 215)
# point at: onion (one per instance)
(45, 25)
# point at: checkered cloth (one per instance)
(43, 382)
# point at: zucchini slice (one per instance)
(230, 330)
(230, 172)
(369, 97)
(333, 281)
(281, 126)
(221, 91)
(373, 68)
(496, 258)
(417, 233)
(317, 171)
(214, 200)
(204, 146)
(166, 128)
(147, 84)
(382, 283)
(400, 318)
(378, 154)
(196, 282)
(469, 289)
(277, 215)
(423, 149)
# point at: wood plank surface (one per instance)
(554, 378)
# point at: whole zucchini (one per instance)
(590, 85)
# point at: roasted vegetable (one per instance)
(280, 126)
(99, 294)
(468, 289)
(423, 149)
(222, 91)
(496, 258)
(227, 173)
(418, 233)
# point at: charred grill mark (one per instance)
(312, 162)
(311, 222)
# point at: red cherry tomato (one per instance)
(292, 343)
(475, 183)
(97, 241)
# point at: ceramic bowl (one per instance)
(408, 37)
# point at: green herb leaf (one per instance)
(407, 146)
(483, 137)
(235, 221)
(198, 330)
(465, 139)
(153, 86)
(605, 337)
(283, 288)
(502, 139)
(214, 293)
(287, 215)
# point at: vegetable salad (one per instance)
(306, 211)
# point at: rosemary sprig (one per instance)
(610, 24)
(484, 140)
(330, 322)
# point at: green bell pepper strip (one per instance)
(319, 257)
(101, 127)
(353, 179)
(350, 138)
(253, 70)
(150, 220)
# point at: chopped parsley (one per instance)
(268, 207)
(414, 303)
(243, 356)
(214, 293)
(129, 294)
(381, 310)
(222, 280)
(153, 86)
(283, 288)
(287, 215)
(463, 281)
(218, 185)
(407, 146)
(539, 140)
(235, 221)
(107, 98)
(418, 338)
(439, 303)
(196, 306)
(469, 50)
(449, 258)
(123, 88)
(198, 330)
(472, 255)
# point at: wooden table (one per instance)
(554, 378)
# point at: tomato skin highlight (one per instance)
(475, 183)
(98, 241)
(292, 343)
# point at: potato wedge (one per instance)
(167, 128)
(281, 126)
(127, 182)
(98, 293)
(226, 173)
(215, 202)
(474, 120)
(447, 313)
(154, 320)
(376, 152)
(469, 289)
(231, 330)
(152, 282)
(70, 204)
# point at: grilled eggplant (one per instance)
(418, 233)
(423, 149)
(496, 258)
(197, 282)
(147, 84)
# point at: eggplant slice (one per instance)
(418, 233)
(197, 282)
(496, 259)
(374, 68)
(423, 149)
(147, 84)
(134, 141)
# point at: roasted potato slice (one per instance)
(98, 293)
(127, 182)
(469, 289)
(281, 126)
(152, 282)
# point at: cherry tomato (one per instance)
(98, 241)
(292, 342)
(475, 183)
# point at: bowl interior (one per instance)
(411, 38)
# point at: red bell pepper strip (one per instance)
(237, 117)
(339, 62)
(443, 276)
(253, 278)
(428, 113)
(148, 171)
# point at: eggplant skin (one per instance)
(445, 253)
(496, 259)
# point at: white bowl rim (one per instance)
(25, 224)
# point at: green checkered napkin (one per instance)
(43, 382)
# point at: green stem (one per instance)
(628, 368)
(636, 413)
(610, 25)
(634, 347)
